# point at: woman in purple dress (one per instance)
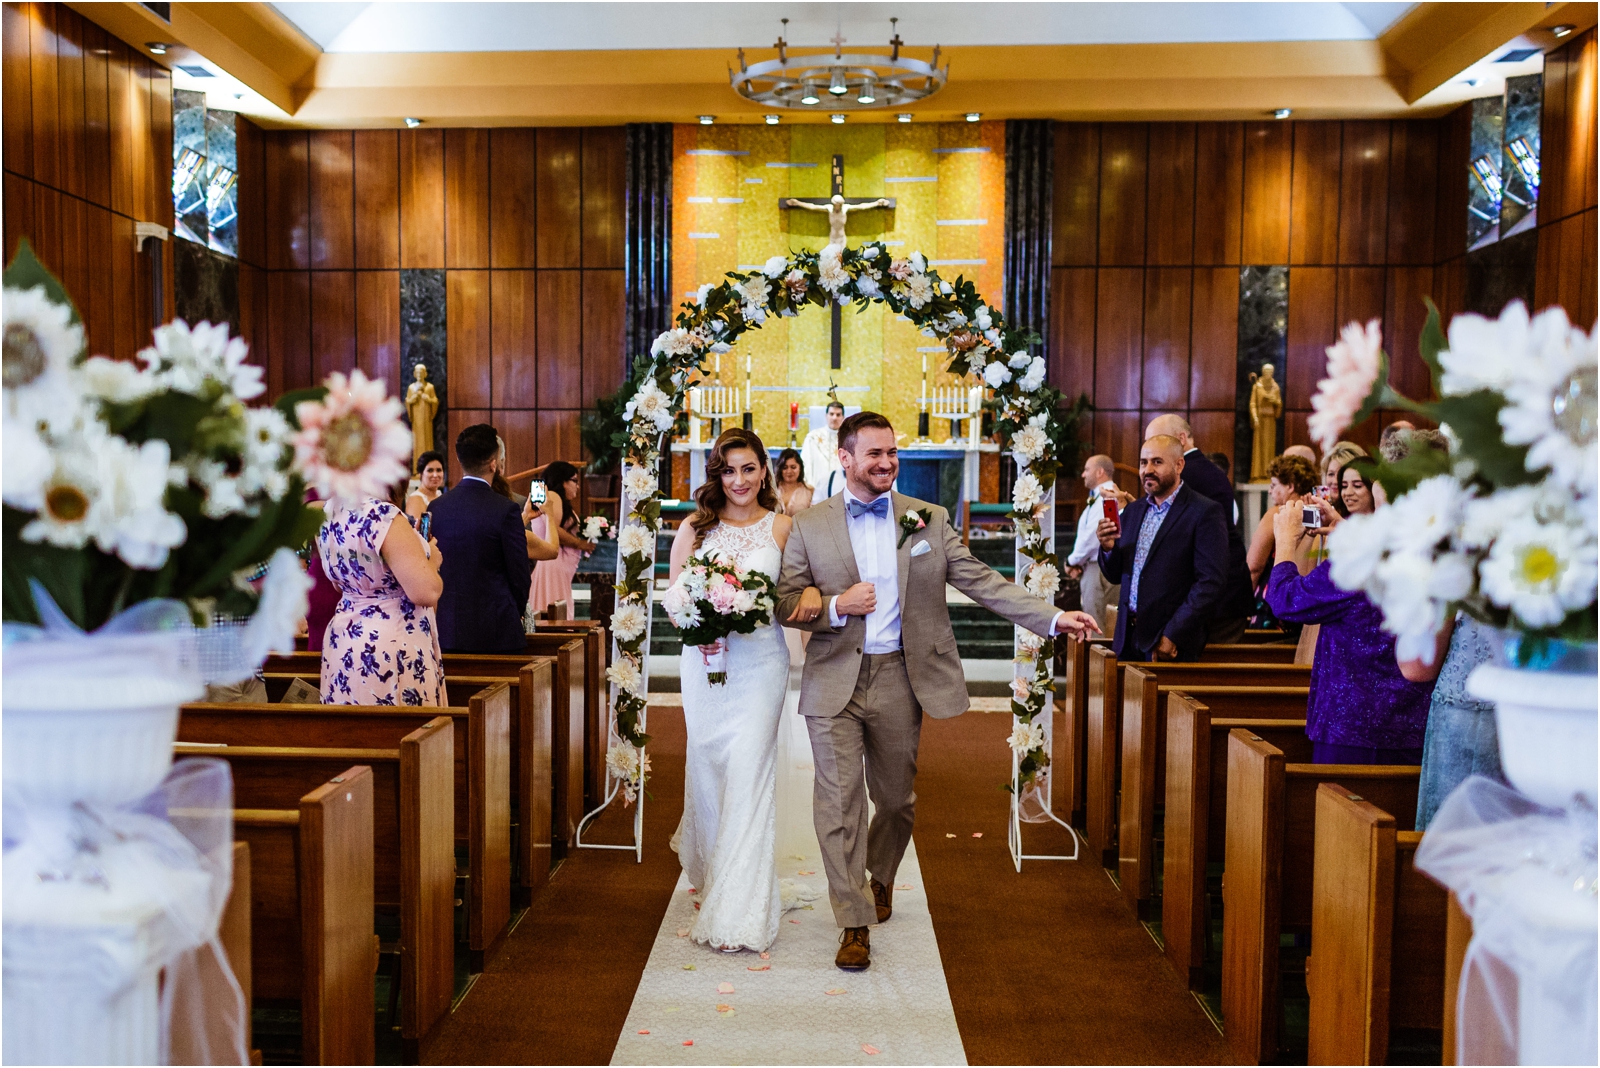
(382, 646)
(1362, 710)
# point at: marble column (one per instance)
(422, 340)
(1263, 338)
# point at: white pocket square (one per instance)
(920, 548)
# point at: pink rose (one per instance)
(721, 595)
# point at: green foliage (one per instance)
(604, 432)
(25, 272)
(289, 401)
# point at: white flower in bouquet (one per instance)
(222, 489)
(1026, 493)
(1488, 353)
(651, 403)
(1427, 515)
(676, 342)
(753, 294)
(25, 465)
(595, 527)
(625, 674)
(982, 317)
(867, 285)
(117, 381)
(1353, 365)
(41, 344)
(1416, 591)
(635, 538)
(743, 601)
(996, 375)
(1029, 444)
(1026, 737)
(136, 524)
(1030, 382)
(629, 620)
(185, 357)
(1043, 581)
(267, 435)
(352, 444)
(946, 288)
(1019, 360)
(679, 604)
(776, 267)
(1540, 570)
(1356, 548)
(831, 274)
(918, 263)
(1550, 403)
(639, 483)
(918, 290)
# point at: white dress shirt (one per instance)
(873, 542)
(1087, 548)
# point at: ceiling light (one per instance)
(772, 120)
(707, 120)
(836, 118)
(194, 70)
(810, 97)
(157, 48)
(973, 116)
(1563, 29)
(836, 83)
(412, 124)
(1469, 81)
(904, 116)
(1283, 113)
(867, 95)
(849, 80)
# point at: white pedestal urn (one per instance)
(1549, 727)
(97, 898)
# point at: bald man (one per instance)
(1170, 556)
(1237, 601)
(1305, 452)
(1083, 563)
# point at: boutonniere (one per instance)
(914, 520)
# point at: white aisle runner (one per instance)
(796, 1007)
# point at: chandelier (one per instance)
(840, 82)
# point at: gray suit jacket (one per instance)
(819, 554)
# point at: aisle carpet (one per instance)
(1046, 967)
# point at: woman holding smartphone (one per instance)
(552, 579)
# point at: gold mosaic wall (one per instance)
(948, 180)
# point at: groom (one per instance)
(881, 653)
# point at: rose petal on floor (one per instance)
(794, 921)
(766, 956)
(762, 968)
(724, 988)
(871, 1051)
(975, 834)
(949, 836)
(724, 1008)
(688, 1042)
(683, 932)
(697, 904)
(903, 886)
(688, 967)
(834, 991)
(803, 872)
(644, 1032)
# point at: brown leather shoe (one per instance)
(854, 950)
(883, 899)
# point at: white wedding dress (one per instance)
(727, 841)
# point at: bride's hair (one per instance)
(710, 500)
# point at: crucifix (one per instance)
(838, 207)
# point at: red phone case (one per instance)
(1109, 507)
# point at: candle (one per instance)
(794, 415)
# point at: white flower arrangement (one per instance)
(629, 621)
(1026, 737)
(1043, 581)
(1503, 528)
(1026, 493)
(595, 527)
(625, 675)
(636, 538)
(1029, 443)
(639, 483)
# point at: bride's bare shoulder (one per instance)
(781, 525)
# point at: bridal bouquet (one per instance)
(1502, 527)
(595, 527)
(714, 598)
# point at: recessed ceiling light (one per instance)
(157, 48)
(836, 118)
(1283, 113)
(904, 116)
(973, 116)
(707, 120)
(1517, 55)
(412, 124)
(1469, 81)
(1563, 29)
(772, 120)
(194, 70)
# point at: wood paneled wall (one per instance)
(87, 126)
(527, 225)
(1153, 221)
(1565, 273)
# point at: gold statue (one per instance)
(422, 403)
(1266, 404)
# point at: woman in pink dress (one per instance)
(382, 646)
(552, 579)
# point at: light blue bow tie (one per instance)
(879, 508)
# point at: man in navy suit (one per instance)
(486, 570)
(1237, 601)
(1170, 557)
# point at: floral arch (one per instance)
(979, 343)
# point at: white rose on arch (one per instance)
(996, 375)
(639, 483)
(1026, 493)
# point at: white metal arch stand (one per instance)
(979, 343)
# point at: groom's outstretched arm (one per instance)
(991, 589)
(792, 582)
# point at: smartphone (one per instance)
(1109, 507)
(425, 526)
(537, 494)
(1310, 518)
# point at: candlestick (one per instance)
(794, 416)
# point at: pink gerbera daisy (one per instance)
(1353, 365)
(352, 444)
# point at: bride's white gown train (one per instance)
(727, 841)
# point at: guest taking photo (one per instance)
(552, 578)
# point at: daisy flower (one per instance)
(639, 483)
(1026, 493)
(1029, 444)
(1540, 571)
(352, 443)
(628, 621)
(1551, 404)
(1025, 738)
(40, 345)
(1353, 365)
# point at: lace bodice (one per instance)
(753, 547)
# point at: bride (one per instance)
(726, 841)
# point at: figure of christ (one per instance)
(837, 211)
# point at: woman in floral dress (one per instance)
(382, 645)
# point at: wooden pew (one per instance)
(566, 717)
(310, 905)
(596, 700)
(482, 784)
(1066, 762)
(1196, 802)
(1145, 689)
(1377, 933)
(413, 845)
(1104, 729)
(1268, 872)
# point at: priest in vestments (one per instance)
(820, 455)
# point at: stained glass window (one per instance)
(205, 195)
